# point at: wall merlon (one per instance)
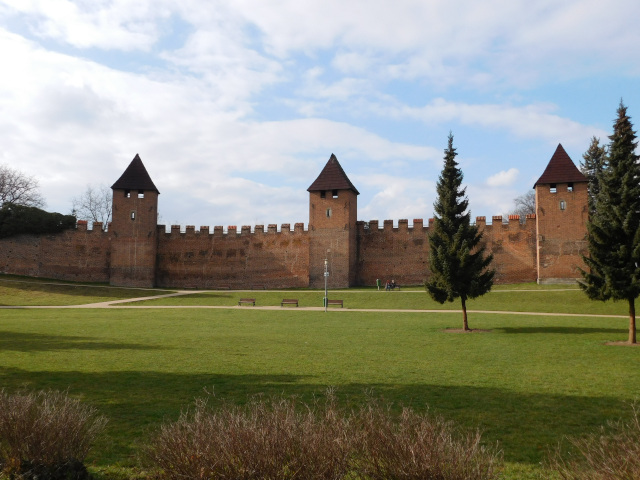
(96, 227)
(232, 230)
(218, 231)
(388, 225)
(259, 229)
(204, 230)
(81, 225)
(481, 221)
(246, 230)
(272, 228)
(298, 227)
(403, 225)
(496, 219)
(190, 230)
(373, 225)
(431, 220)
(175, 229)
(418, 223)
(285, 227)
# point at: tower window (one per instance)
(335, 194)
(563, 205)
(140, 193)
(553, 188)
(133, 215)
(569, 187)
(328, 213)
(127, 193)
(323, 194)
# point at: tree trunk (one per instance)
(632, 320)
(464, 315)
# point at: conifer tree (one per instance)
(459, 267)
(614, 231)
(592, 166)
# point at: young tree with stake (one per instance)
(459, 267)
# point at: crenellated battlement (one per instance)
(231, 230)
(96, 228)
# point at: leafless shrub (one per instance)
(419, 446)
(275, 439)
(45, 435)
(613, 453)
(284, 439)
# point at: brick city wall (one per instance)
(76, 255)
(276, 259)
(236, 259)
(402, 253)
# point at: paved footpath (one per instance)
(126, 303)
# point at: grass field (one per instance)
(526, 383)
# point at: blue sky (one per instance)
(235, 106)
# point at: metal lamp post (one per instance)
(326, 276)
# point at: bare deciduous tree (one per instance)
(18, 188)
(94, 205)
(524, 204)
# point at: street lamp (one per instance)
(326, 276)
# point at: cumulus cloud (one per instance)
(503, 178)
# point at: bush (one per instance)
(419, 446)
(19, 219)
(283, 439)
(613, 453)
(45, 435)
(265, 440)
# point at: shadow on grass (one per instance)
(136, 403)
(77, 290)
(35, 342)
(562, 330)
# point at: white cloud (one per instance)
(503, 178)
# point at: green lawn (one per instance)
(546, 300)
(526, 383)
(16, 291)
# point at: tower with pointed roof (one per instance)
(561, 216)
(333, 211)
(134, 240)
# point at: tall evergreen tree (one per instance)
(459, 267)
(592, 166)
(614, 231)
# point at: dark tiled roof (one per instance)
(135, 177)
(332, 177)
(561, 169)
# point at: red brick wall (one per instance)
(561, 233)
(389, 253)
(513, 245)
(237, 259)
(78, 255)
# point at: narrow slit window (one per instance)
(553, 188)
(335, 194)
(127, 193)
(140, 193)
(563, 205)
(570, 187)
(328, 213)
(133, 215)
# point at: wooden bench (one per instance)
(252, 301)
(289, 301)
(335, 302)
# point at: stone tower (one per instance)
(134, 241)
(561, 216)
(333, 210)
